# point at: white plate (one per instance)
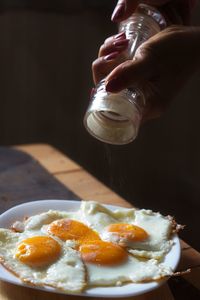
(32, 208)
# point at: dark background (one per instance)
(46, 51)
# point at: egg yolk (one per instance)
(67, 229)
(128, 231)
(38, 251)
(102, 253)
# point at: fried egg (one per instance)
(41, 260)
(93, 246)
(145, 233)
(131, 270)
(106, 263)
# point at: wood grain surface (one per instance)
(23, 179)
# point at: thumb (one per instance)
(129, 74)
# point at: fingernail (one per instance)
(118, 11)
(111, 56)
(112, 85)
(120, 35)
(121, 43)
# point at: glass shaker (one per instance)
(115, 118)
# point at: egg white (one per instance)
(133, 270)
(37, 221)
(67, 273)
(158, 228)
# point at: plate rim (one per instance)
(90, 292)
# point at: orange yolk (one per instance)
(67, 229)
(38, 251)
(102, 253)
(130, 232)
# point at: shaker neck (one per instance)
(147, 15)
(141, 24)
(153, 13)
(145, 22)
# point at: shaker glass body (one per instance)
(115, 118)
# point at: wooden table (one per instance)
(87, 187)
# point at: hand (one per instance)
(160, 68)
(176, 11)
(110, 55)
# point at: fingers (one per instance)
(110, 55)
(112, 44)
(103, 65)
(124, 9)
(129, 74)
